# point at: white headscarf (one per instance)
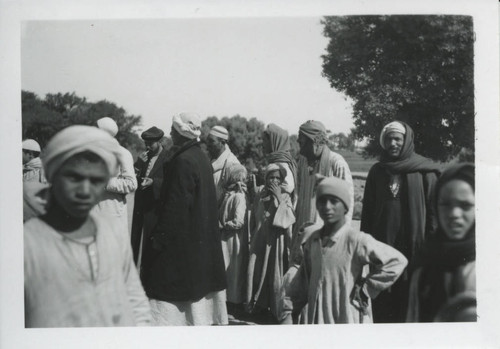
(77, 139)
(109, 125)
(394, 126)
(187, 124)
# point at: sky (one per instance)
(268, 68)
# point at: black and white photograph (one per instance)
(221, 176)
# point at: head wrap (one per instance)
(187, 124)
(152, 134)
(31, 145)
(335, 187)
(314, 130)
(77, 139)
(219, 132)
(394, 126)
(109, 125)
(275, 167)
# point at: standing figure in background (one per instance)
(221, 157)
(149, 171)
(78, 267)
(234, 234)
(114, 201)
(34, 182)
(186, 278)
(398, 209)
(443, 287)
(32, 165)
(276, 148)
(333, 279)
(273, 215)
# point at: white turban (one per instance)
(77, 139)
(109, 125)
(394, 126)
(187, 124)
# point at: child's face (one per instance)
(330, 208)
(273, 177)
(456, 208)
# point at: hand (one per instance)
(275, 189)
(146, 182)
(144, 156)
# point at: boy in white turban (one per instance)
(78, 269)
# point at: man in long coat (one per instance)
(186, 278)
(149, 171)
(398, 209)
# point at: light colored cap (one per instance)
(394, 126)
(220, 132)
(31, 144)
(109, 125)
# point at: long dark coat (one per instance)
(146, 202)
(188, 262)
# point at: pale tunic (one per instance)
(269, 250)
(330, 270)
(113, 205)
(93, 285)
(219, 166)
(210, 310)
(234, 236)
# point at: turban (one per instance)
(220, 132)
(335, 187)
(187, 124)
(31, 145)
(313, 130)
(77, 139)
(109, 125)
(275, 167)
(152, 134)
(394, 126)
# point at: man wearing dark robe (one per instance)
(149, 172)
(398, 209)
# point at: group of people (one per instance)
(207, 241)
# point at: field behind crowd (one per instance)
(359, 168)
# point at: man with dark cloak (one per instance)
(398, 209)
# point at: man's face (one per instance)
(215, 146)
(306, 147)
(266, 143)
(393, 143)
(26, 156)
(330, 208)
(456, 208)
(152, 146)
(79, 185)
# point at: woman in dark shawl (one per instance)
(276, 147)
(444, 284)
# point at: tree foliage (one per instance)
(245, 140)
(417, 69)
(42, 118)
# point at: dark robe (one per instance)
(402, 220)
(146, 202)
(188, 263)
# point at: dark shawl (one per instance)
(280, 148)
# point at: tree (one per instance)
(41, 119)
(418, 69)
